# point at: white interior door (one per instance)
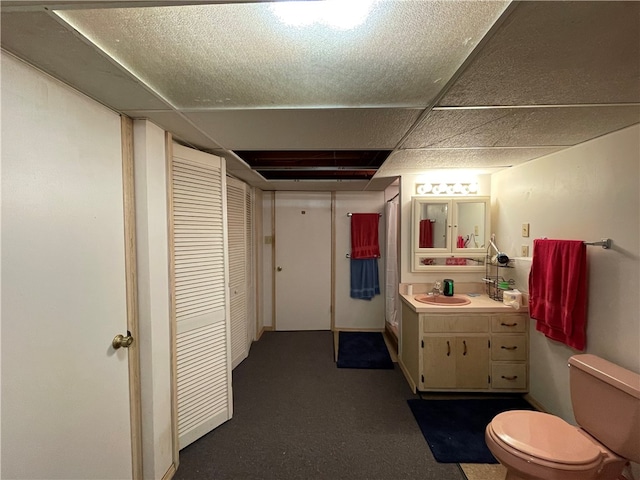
(65, 390)
(303, 260)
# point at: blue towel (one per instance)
(364, 278)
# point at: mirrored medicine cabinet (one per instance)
(450, 233)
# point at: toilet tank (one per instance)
(606, 403)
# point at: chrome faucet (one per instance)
(437, 289)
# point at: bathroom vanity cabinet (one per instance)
(465, 351)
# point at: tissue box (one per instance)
(512, 298)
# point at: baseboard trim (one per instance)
(170, 473)
(536, 404)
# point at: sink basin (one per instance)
(441, 300)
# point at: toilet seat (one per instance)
(546, 437)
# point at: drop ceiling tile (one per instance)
(557, 53)
(320, 129)
(241, 56)
(42, 41)
(518, 127)
(180, 127)
(419, 160)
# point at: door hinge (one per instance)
(422, 343)
(489, 343)
(489, 379)
(422, 378)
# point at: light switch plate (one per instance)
(524, 251)
(525, 229)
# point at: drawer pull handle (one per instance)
(464, 343)
(513, 377)
(448, 348)
(508, 324)
(508, 348)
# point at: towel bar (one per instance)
(604, 243)
(351, 214)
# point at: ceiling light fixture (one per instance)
(338, 14)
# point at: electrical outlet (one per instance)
(268, 239)
(475, 230)
(525, 229)
(524, 251)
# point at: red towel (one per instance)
(364, 235)
(558, 290)
(426, 234)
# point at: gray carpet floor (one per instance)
(298, 416)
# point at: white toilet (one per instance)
(606, 405)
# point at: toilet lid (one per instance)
(544, 436)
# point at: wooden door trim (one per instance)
(333, 263)
(131, 279)
(173, 333)
(273, 261)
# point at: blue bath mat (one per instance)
(454, 429)
(363, 350)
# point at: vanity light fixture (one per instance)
(457, 188)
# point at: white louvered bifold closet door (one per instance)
(200, 294)
(251, 267)
(236, 218)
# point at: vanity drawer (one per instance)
(508, 323)
(511, 376)
(508, 347)
(454, 323)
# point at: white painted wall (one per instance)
(352, 313)
(153, 297)
(587, 192)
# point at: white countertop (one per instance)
(479, 304)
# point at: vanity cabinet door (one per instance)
(458, 362)
(438, 362)
(472, 362)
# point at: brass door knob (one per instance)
(122, 341)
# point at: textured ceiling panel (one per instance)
(180, 127)
(512, 127)
(42, 41)
(242, 56)
(557, 53)
(323, 129)
(417, 160)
